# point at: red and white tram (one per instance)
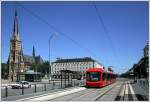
(98, 77)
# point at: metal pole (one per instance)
(71, 79)
(45, 86)
(49, 61)
(49, 55)
(22, 89)
(61, 79)
(6, 91)
(65, 79)
(35, 88)
(68, 79)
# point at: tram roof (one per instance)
(99, 70)
(95, 69)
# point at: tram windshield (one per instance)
(93, 76)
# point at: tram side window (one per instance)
(108, 76)
(104, 76)
(88, 76)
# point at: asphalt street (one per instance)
(39, 88)
(121, 90)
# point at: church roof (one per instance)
(28, 58)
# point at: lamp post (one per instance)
(50, 37)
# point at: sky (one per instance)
(117, 39)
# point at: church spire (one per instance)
(33, 53)
(15, 30)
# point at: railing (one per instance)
(143, 83)
(7, 91)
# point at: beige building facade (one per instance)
(76, 64)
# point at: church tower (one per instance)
(15, 60)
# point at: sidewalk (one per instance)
(28, 96)
(131, 91)
(140, 92)
(52, 95)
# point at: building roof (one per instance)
(85, 59)
(28, 58)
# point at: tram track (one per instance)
(75, 95)
(83, 97)
(87, 95)
(91, 95)
(99, 97)
(104, 93)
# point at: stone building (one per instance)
(15, 60)
(146, 58)
(76, 65)
(141, 69)
(29, 60)
(19, 63)
(146, 50)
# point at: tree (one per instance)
(43, 68)
(4, 71)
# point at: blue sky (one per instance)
(126, 23)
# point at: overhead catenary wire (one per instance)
(106, 33)
(62, 33)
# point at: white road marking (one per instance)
(122, 91)
(53, 95)
(133, 93)
(131, 89)
(126, 90)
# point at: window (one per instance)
(93, 76)
(104, 76)
(108, 76)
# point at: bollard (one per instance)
(35, 88)
(45, 86)
(71, 80)
(6, 91)
(61, 79)
(22, 89)
(53, 84)
(68, 79)
(65, 80)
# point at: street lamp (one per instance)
(50, 37)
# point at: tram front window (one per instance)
(93, 76)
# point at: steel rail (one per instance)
(104, 93)
(88, 91)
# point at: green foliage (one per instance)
(32, 66)
(4, 71)
(43, 68)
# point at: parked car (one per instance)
(21, 84)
